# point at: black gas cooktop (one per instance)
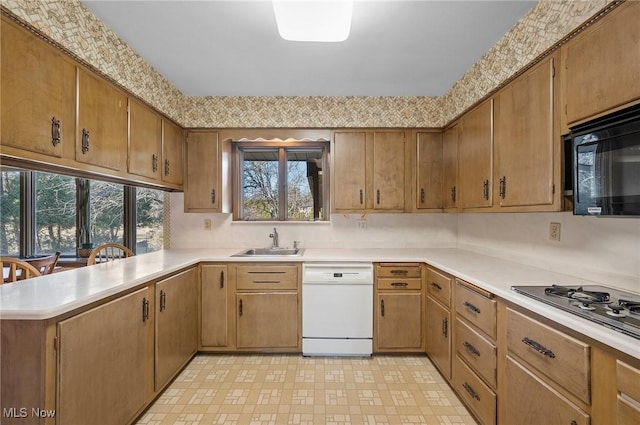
(618, 310)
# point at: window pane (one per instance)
(10, 213)
(304, 184)
(260, 184)
(55, 214)
(107, 212)
(150, 220)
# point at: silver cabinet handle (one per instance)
(539, 347)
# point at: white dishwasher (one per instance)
(337, 309)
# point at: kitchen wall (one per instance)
(383, 231)
(605, 250)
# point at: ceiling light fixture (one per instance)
(313, 20)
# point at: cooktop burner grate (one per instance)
(609, 307)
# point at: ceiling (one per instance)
(232, 48)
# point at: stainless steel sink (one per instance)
(270, 252)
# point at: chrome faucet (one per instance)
(274, 236)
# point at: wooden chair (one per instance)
(17, 270)
(45, 265)
(108, 252)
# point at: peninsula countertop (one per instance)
(49, 296)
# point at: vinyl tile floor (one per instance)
(290, 389)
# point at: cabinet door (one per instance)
(602, 64)
(429, 171)
(532, 402)
(145, 138)
(439, 336)
(399, 321)
(524, 139)
(215, 298)
(176, 324)
(105, 365)
(348, 186)
(202, 191)
(475, 155)
(172, 148)
(450, 167)
(38, 93)
(267, 320)
(102, 123)
(388, 170)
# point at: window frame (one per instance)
(28, 205)
(238, 148)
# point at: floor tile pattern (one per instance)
(296, 390)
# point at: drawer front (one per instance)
(479, 352)
(476, 308)
(628, 414)
(628, 379)
(439, 286)
(531, 401)
(476, 394)
(398, 270)
(556, 355)
(399, 283)
(266, 277)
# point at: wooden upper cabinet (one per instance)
(38, 93)
(388, 170)
(475, 156)
(429, 172)
(172, 153)
(525, 145)
(450, 167)
(349, 183)
(202, 190)
(602, 64)
(102, 123)
(145, 140)
(369, 171)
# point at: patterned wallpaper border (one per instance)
(70, 24)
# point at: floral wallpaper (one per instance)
(70, 25)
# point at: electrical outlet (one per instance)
(207, 224)
(554, 231)
(361, 224)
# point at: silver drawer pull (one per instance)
(471, 391)
(471, 307)
(400, 284)
(471, 349)
(539, 347)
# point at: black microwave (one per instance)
(606, 165)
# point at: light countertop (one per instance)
(52, 295)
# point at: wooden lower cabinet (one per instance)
(176, 324)
(477, 395)
(267, 320)
(105, 362)
(399, 321)
(438, 334)
(214, 306)
(530, 401)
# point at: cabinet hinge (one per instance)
(55, 343)
(553, 189)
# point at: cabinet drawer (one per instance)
(398, 270)
(266, 277)
(558, 356)
(628, 380)
(477, 351)
(530, 401)
(476, 308)
(476, 394)
(399, 283)
(439, 286)
(628, 414)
